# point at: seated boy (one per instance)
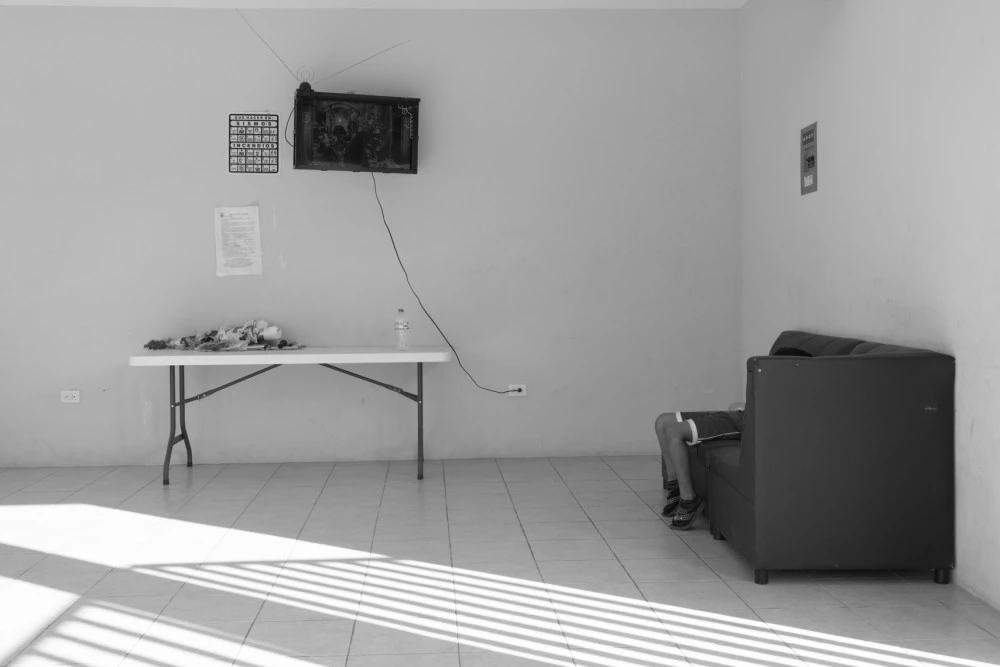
(676, 431)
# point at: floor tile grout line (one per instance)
(385, 489)
(699, 556)
(36, 481)
(451, 555)
(81, 596)
(3, 470)
(992, 633)
(472, 565)
(604, 539)
(138, 491)
(266, 595)
(371, 547)
(316, 502)
(728, 584)
(90, 483)
(538, 569)
(221, 538)
(156, 480)
(194, 495)
(721, 579)
(84, 594)
(142, 488)
(451, 565)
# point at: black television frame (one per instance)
(306, 100)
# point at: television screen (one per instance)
(349, 132)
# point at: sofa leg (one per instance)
(761, 577)
(942, 575)
(716, 535)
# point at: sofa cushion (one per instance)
(724, 461)
(884, 348)
(819, 345)
(721, 457)
(703, 452)
(816, 345)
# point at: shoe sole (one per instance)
(694, 517)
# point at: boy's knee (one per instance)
(664, 421)
(680, 431)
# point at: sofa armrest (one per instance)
(848, 450)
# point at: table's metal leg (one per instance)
(184, 430)
(173, 430)
(420, 421)
(176, 404)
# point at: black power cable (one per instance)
(495, 391)
(290, 114)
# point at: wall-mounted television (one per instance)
(348, 132)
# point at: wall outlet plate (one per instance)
(512, 390)
(69, 396)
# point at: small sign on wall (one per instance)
(809, 176)
(253, 143)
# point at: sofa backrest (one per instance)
(819, 345)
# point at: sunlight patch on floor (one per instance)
(551, 624)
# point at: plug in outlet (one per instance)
(69, 396)
(517, 390)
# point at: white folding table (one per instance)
(177, 360)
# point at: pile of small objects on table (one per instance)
(252, 335)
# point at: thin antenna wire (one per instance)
(267, 45)
(363, 61)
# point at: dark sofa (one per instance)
(846, 461)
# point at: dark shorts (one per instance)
(707, 426)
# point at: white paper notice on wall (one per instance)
(237, 241)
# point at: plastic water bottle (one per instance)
(402, 331)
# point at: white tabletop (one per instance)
(309, 355)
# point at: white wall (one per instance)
(573, 227)
(899, 243)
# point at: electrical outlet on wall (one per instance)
(518, 390)
(69, 396)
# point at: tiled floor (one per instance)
(483, 563)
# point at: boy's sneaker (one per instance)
(673, 501)
(687, 512)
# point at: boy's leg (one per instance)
(677, 437)
(673, 437)
(662, 422)
(697, 427)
